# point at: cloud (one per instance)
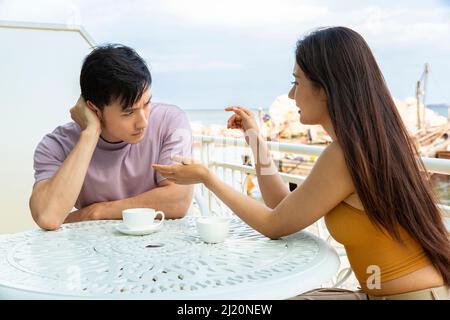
(230, 35)
(406, 26)
(187, 62)
(48, 11)
(243, 14)
(390, 24)
(398, 23)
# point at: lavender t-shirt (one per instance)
(119, 170)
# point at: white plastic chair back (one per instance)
(199, 201)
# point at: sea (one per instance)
(210, 116)
(219, 116)
(441, 109)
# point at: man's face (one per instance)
(126, 125)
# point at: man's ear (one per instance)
(92, 106)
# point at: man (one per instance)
(101, 163)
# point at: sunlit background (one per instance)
(202, 54)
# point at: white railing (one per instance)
(209, 157)
(49, 27)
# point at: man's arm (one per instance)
(52, 199)
(174, 200)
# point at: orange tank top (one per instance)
(368, 246)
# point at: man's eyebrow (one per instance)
(132, 109)
(129, 109)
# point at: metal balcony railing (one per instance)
(234, 173)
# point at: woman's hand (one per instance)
(242, 119)
(187, 172)
(85, 117)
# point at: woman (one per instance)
(367, 182)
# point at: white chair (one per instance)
(199, 201)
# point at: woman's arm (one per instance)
(273, 188)
(326, 186)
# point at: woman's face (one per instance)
(311, 101)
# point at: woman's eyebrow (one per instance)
(295, 76)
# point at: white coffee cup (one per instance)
(140, 218)
(213, 229)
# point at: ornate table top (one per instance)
(93, 260)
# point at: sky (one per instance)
(202, 55)
(209, 54)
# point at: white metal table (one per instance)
(91, 260)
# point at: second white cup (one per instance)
(213, 229)
(139, 218)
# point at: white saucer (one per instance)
(139, 232)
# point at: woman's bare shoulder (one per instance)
(332, 162)
(334, 152)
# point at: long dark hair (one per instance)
(383, 162)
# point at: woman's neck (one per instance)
(328, 127)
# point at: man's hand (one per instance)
(85, 117)
(93, 212)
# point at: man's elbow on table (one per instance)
(180, 206)
(44, 217)
(176, 213)
(179, 209)
(47, 221)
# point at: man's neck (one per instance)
(108, 140)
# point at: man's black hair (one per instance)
(112, 72)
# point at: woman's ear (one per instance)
(92, 106)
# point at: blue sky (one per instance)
(209, 54)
